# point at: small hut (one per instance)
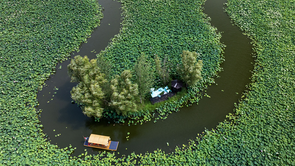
(176, 85)
(101, 142)
(99, 139)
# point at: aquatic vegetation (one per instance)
(164, 29)
(35, 36)
(260, 133)
(38, 34)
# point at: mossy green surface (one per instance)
(261, 132)
(35, 36)
(165, 28)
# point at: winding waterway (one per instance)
(60, 116)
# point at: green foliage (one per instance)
(162, 70)
(145, 76)
(78, 68)
(158, 27)
(165, 29)
(35, 36)
(106, 68)
(261, 132)
(152, 107)
(190, 69)
(89, 91)
(124, 93)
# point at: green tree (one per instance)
(88, 92)
(78, 68)
(190, 69)
(162, 70)
(145, 76)
(124, 93)
(105, 67)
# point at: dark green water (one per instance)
(67, 119)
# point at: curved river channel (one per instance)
(65, 124)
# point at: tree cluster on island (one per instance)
(97, 89)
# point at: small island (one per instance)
(128, 95)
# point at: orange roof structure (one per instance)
(99, 139)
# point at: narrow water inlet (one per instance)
(59, 116)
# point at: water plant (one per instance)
(38, 34)
(35, 36)
(167, 30)
(261, 132)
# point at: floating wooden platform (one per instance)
(162, 98)
(100, 142)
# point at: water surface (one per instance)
(67, 119)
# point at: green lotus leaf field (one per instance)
(37, 34)
(166, 30)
